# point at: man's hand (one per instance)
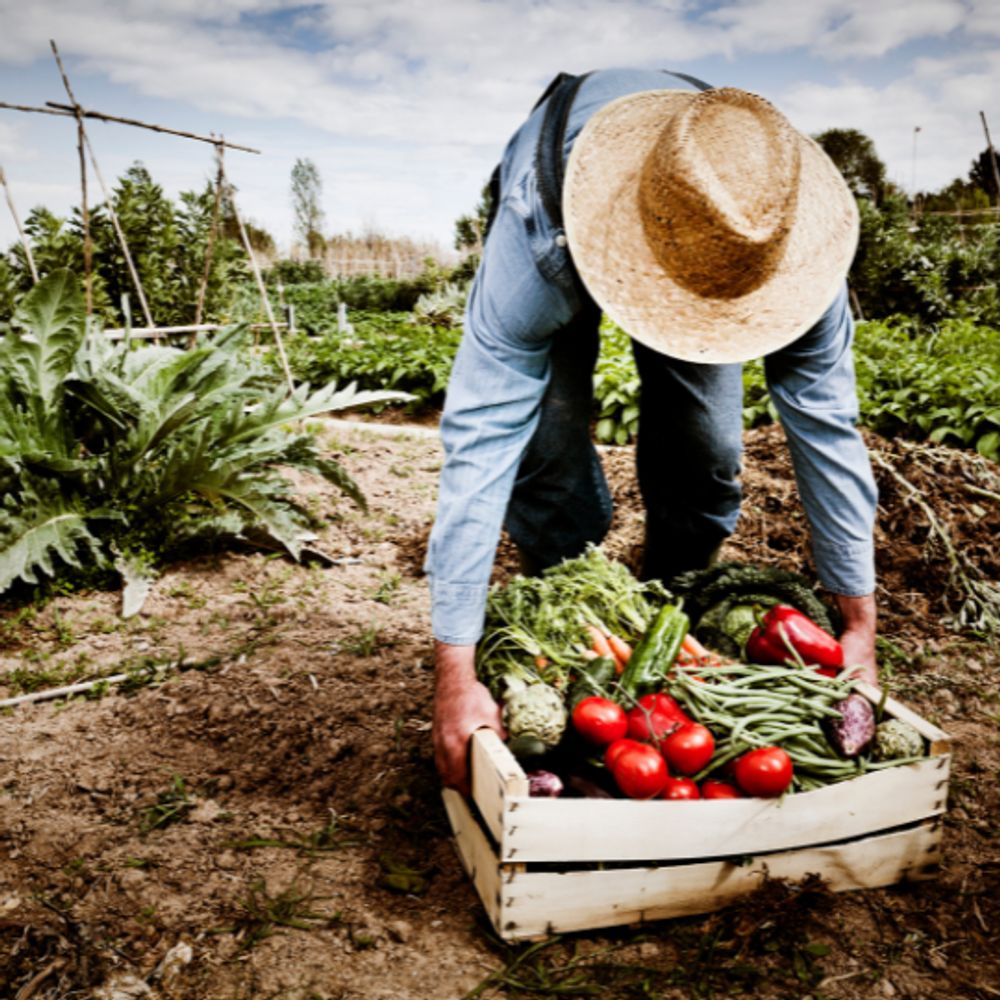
(858, 636)
(461, 706)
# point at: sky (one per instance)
(405, 106)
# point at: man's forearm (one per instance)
(860, 623)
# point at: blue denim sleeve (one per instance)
(516, 303)
(813, 387)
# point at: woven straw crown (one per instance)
(706, 225)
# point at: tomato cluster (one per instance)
(654, 749)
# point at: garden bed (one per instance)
(270, 800)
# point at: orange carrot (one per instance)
(541, 662)
(698, 652)
(621, 649)
(599, 642)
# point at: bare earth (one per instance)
(270, 800)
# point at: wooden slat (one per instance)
(497, 778)
(477, 856)
(627, 830)
(540, 903)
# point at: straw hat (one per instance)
(704, 224)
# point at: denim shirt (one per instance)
(525, 290)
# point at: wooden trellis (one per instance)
(223, 189)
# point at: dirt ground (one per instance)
(255, 813)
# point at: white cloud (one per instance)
(406, 106)
(835, 28)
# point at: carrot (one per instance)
(541, 662)
(599, 641)
(621, 649)
(697, 651)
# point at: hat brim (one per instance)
(607, 241)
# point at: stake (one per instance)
(121, 235)
(210, 247)
(279, 343)
(993, 159)
(88, 249)
(66, 111)
(20, 232)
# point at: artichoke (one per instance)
(534, 716)
(895, 740)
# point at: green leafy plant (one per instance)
(384, 350)
(114, 456)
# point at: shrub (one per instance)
(114, 455)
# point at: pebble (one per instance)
(649, 949)
(888, 990)
(227, 861)
(400, 930)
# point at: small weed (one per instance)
(388, 586)
(397, 876)
(260, 913)
(364, 643)
(63, 631)
(334, 836)
(171, 806)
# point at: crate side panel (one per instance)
(496, 777)
(626, 830)
(544, 903)
(475, 852)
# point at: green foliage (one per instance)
(854, 154)
(307, 193)
(932, 270)
(384, 350)
(110, 453)
(943, 386)
(167, 241)
(616, 388)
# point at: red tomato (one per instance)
(713, 789)
(649, 726)
(680, 788)
(640, 772)
(766, 771)
(689, 748)
(614, 749)
(665, 705)
(599, 720)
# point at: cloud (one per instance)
(835, 29)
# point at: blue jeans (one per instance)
(687, 458)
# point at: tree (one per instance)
(470, 230)
(981, 173)
(307, 192)
(855, 157)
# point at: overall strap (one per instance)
(693, 80)
(549, 164)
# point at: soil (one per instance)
(256, 814)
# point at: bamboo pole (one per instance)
(993, 157)
(88, 249)
(66, 111)
(120, 233)
(20, 231)
(278, 341)
(212, 233)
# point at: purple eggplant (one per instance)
(852, 732)
(544, 785)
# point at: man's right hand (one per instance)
(461, 706)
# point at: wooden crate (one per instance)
(532, 860)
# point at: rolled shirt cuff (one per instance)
(847, 569)
(457, 612)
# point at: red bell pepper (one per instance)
(784, 629)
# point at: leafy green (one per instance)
(536, 626)
(114, 455)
